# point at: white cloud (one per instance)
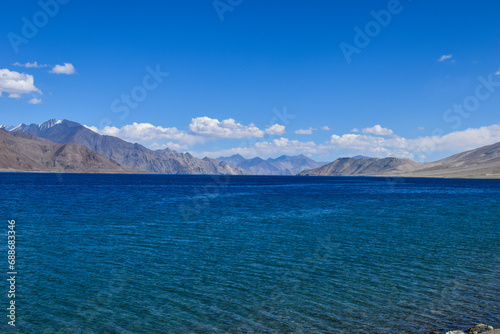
(92, 128)
(265, 149)
(355, 130)
(325, 128)
(228, 128)
(497, 72)
(457, 141)
(445, 57)
(145, 132)
(67, 68)
(275, 130)
(16, 84)
(371, 145)
(202, 130)
(35, 101)
(30, 65)
(402, 147)
(378, 130)
(375, 141)
(355, 141)
(170, 145)
(420, 128)
(286, 144)
(307, 131)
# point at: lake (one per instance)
(251, 254)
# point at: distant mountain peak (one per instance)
(361, 166)
(20, 127)
(123, 153)
(256, 159)
(43, 126)
(22, 152)
(50, 123)
(283, 165)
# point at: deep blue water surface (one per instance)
(202, 254)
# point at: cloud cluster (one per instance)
(201, 130)
(457, 141)
(229, 128)
(375, 141)
(420, 147)
(30, 65)
(17, 84)
(445, 57)
(170, 145)
(377, 130)
(146, 132)
(278, 146)
(67, 68)
(309, 130)
(35, 101)
(275, 130)
(373, 145)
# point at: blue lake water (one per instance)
(202, 254)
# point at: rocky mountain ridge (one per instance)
(283, 165)
(129, 155)
(21, 152)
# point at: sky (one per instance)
(413, 79)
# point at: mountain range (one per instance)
(125, 154)
(483, 162)
(66, 146)
(283, 165)
(362, 166)
(20, 151)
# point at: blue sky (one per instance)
(235, 68)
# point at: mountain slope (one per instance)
(235, 159)
(292, 165)
(364, 166)
(283, 165)
(20, 152)
(483, 162)
(126, 154)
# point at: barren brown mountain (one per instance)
(483, 162)
(21, 152)
(127, 154)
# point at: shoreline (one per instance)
(477, 329)
(482, 177)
